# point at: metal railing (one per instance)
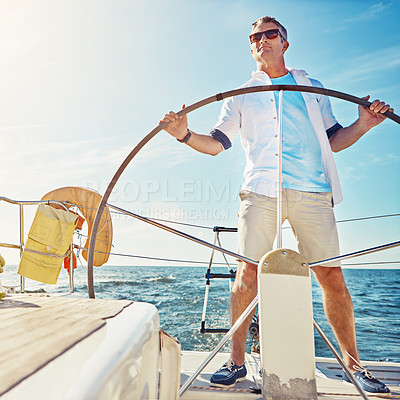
(21, 245)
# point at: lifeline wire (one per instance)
(284, 227)
(200, 262)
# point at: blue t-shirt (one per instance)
(302, 167)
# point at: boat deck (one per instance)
(329, 383)
(37, 329)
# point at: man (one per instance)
(310, 186)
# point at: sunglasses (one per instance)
(269, 34)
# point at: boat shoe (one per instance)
(228, 375)
(367, 381)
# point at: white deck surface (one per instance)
(329, 385)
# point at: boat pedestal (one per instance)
(286, 327)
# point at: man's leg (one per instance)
(256, 233)
(243, 292)
(313, 222)
(339, 311)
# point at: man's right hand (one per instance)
(178, 126)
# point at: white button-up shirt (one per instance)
(255, 116)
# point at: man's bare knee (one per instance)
(330, 278)
(246, 278)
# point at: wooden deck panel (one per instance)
(37, 329)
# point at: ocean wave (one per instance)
(162, 279)
(122, 284)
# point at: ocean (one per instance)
(178, 293)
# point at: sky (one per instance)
(82, 82)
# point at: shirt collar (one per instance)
(263, 76)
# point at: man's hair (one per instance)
(270, 19)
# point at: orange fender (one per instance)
(67, 262)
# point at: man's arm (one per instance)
(178, 128)
(367, 119)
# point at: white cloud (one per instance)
(370, 13)
(367, 65)
(358, 171)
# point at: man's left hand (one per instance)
(373, 115)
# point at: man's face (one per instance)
(268, 49)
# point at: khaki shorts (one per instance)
(309, 214)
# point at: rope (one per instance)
(182, 223)
(97, 240)
(223, 254)
(374, 263)
(365, 218)
(148, 258)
